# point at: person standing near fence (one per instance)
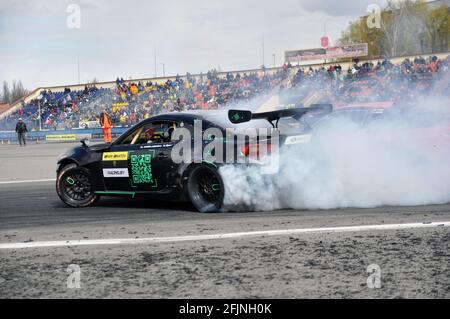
(21, 130)
(105, 122)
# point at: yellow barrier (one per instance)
(61, 138)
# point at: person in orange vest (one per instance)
(105, 122)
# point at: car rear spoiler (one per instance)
(243, 116)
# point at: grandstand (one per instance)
(78, 106)
(67, 107)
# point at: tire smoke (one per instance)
(398, 160)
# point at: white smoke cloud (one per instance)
(401, 161)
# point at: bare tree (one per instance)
(401, 27)
(14, 94)
(6, 93)
(18, 91)
(437, 29)
(407, 27)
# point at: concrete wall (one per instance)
(10, 137)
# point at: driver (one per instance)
(149, 134)
(159, 133)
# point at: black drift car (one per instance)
(139, 162)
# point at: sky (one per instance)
(119, 38)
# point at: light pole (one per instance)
(156, 71)
(164, 69)
(274, 61)
(40, 116)
(78, 66)
(263, 51)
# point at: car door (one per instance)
(116, 174)
(142, 162)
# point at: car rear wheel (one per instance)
(74, 186)
(206, 189)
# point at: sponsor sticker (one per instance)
(115, 172)
(141, 169)
(115, 156)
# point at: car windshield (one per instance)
(151, 133)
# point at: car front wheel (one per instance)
(74, 186)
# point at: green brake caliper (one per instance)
(215, 187)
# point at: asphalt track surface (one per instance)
(184, 254)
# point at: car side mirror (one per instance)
(85, 142)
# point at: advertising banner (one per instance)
(344, 51)
(60, 137)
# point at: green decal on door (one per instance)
(141, 169)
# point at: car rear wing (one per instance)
(243, 116)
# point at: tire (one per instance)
(206, 189)
(74, 186)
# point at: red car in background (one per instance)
(405, 127)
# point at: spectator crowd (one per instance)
(130, 102)
(369, 82)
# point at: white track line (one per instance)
(129, 241)
(29, 181)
